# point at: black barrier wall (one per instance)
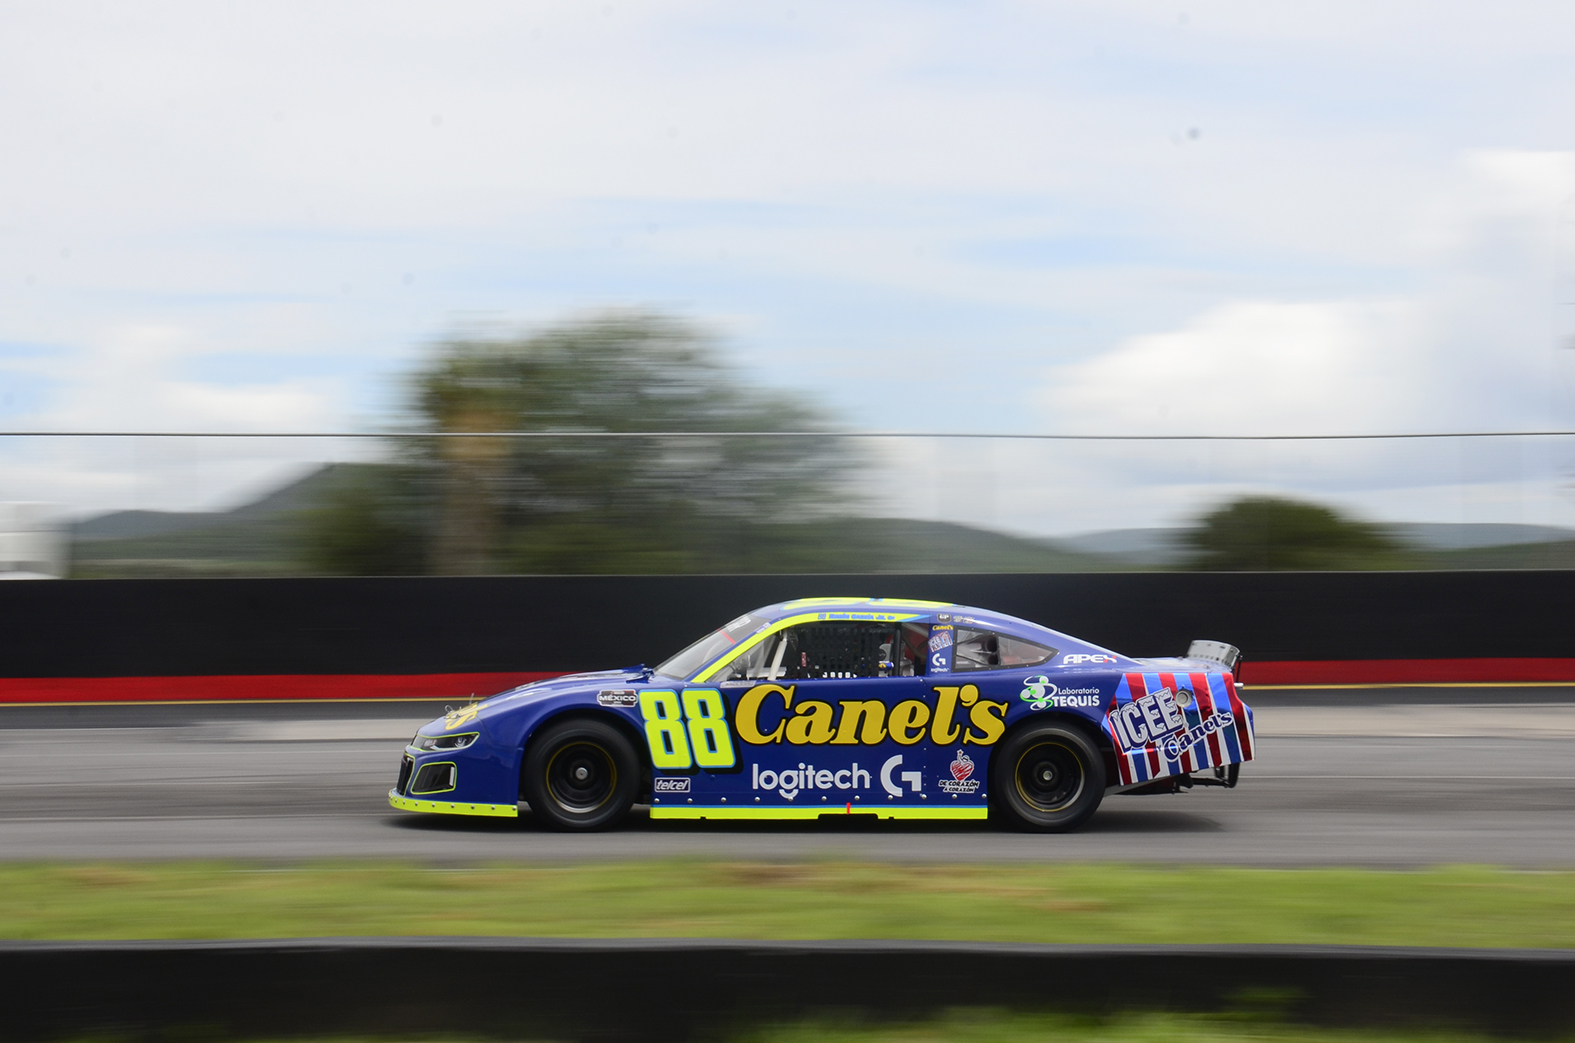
(109, 628)
(672, 991)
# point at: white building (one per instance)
(32, 543)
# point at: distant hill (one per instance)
(1444, 536)
(1131, 546)
(301, 494)
(261, 538)
(265, 538)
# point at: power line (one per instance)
(1390, 436)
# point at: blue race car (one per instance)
(844, 706)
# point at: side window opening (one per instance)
(985, 650)
(832, 650)
(912, 649)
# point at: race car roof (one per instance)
(895, 609)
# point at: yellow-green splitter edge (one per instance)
(710, 812)
(451, 807)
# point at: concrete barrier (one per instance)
(671, 991)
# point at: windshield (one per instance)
(700, 653)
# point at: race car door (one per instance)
(837, 712)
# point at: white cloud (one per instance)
(248, 215)
(1476, 348)
(1251, 367)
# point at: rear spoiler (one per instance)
(1228, 656)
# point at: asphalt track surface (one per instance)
(1396, 777)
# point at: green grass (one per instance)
(970, 1026)
(1458, 906)
(993, 1026)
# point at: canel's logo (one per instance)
(773, 713)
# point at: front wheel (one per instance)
(580, 775)
(1047, 779)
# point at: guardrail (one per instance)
(671, 991)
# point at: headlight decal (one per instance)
(425, 743)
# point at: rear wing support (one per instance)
(1228, 656)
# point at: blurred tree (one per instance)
(369, 520)
(1264, 533)
(596, 504)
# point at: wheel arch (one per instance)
(1089, 730)
(590, 713)
(1095, 734)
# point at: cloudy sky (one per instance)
(1112, 217)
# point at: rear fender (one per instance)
(1077, 722)
(1172, 723)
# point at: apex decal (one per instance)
(768, 713)
(1076, 658)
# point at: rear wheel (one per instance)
(1047, 778)
(580, 775)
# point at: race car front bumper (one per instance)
(450, 807)
(428, 782)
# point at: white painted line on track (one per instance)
(1506, 721)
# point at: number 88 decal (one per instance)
(695, 736)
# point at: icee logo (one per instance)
(1157, 719)
(1148, 719)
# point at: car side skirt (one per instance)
(712, 812)
(451, 807)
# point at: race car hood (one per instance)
(468, 716)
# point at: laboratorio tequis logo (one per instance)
(1040, 692)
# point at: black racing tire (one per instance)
(1047, 778)
(580, 775)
